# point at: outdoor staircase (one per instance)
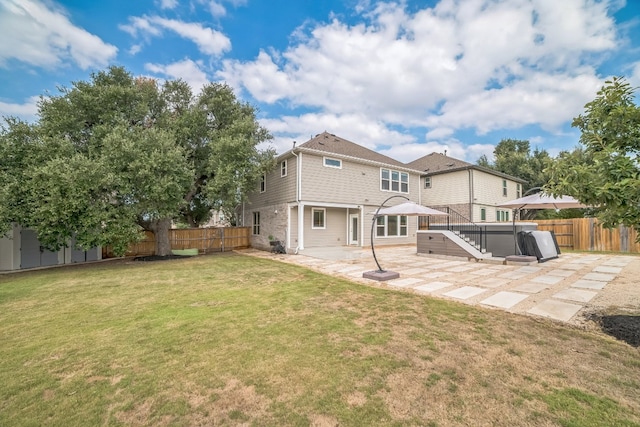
(461, 226)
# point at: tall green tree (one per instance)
(514, 157)
(605, 170)
(115, 155)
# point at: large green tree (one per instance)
(605, 171)
(514, 157)
(115, 155)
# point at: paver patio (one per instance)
(556, 289)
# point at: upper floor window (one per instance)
(332, 163)
(504, 187)
(318, 217)
(391, 180)
(283, 168)
(427, 182)
(518, 189)
(263, 183)
(483, 214)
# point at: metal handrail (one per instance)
(460, 225)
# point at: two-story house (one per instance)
(471, 190)
(325, 192)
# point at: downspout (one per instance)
(470, 194)
(298, 185)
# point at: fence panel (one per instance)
(563, 231)
(206, 240)
(589, 235)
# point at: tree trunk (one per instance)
(160, 228)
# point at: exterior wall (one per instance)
(452, 189)
(488, 193)
(354, 183)
(273, 222)
(447, 189)
(334, 233)
(10, 250)
(279, 189)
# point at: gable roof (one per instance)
(436, 163)
(332, 144)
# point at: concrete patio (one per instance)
(558, 289)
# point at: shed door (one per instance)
(32, 254)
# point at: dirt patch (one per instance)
(624, 327)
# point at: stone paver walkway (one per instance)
(557, 289)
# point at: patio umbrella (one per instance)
(409, 209)
(539, 201)
(543, 201)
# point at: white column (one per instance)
(300, 226)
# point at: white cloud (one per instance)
(26, 111)
(168, 4)
(217, 9)
(479, 64)
(187, 70)
(41, 34)
(208, 40)
(353, 127)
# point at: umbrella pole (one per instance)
(373, 223)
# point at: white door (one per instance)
(354, 231)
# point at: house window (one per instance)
(395, 181)
(483, 214)
(502, 216)
(392, 226)
(332, 163)
(318, 218)
(517, 191)
(263, 183)
(256, 223)
(283, 168)
(427, 182)
(504, 187)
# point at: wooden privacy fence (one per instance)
(206, 240)
(587, 234)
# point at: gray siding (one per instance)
(354, 183)
(334, 233)
(279, 189)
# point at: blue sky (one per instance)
(404, 78)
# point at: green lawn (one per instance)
(230, 339)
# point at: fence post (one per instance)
(222, 237)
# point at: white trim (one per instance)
(324, 218)
(350, 229)
(329, 205)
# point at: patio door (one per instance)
(354, 231)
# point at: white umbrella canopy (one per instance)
(409, 209)
(543, 201)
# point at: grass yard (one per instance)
(235, 340)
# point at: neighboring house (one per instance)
(325, 192)
(471, 190)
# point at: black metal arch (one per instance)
(373, 223)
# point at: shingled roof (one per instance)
(436, 163)
(332, 144)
